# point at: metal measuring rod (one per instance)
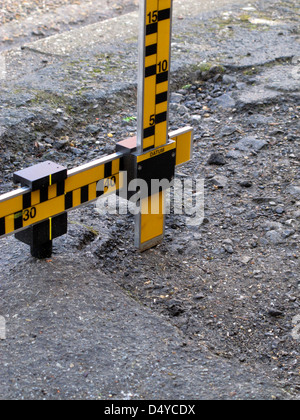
(37, 212)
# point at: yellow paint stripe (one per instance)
(183, 147)
(150, 100)
(160, 108)
(84, 178)
(11, 206)
(115, 166)
(151, 6)
(50, 228)
(93, 191)
(9, 224)
(161, 134)
(150, 61)
(77, 198)
(149, 142)
(35, 198)
(151, 39)
(162, 87)
(52, 192)
(152, 217)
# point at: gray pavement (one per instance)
(72, 332)
(122, 29)
(28, 21)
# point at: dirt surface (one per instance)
(223, 297)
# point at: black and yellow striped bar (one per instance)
(155, 48)
(23, 207)
(153, 112)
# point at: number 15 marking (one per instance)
(153, 16)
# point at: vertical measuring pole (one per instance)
(153, 109)
(154, 73)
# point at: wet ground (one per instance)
(211, 312)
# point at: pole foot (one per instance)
(42, 251)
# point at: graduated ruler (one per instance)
(154, 73)
(153, 119)
(37, 212)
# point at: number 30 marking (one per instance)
(29, 214)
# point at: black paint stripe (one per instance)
(18, 220)
(151, 50)
(60, 188)
(164, 14)
(84, 194)
(108, 170)
(162, 77)
(150, 71)
(148, 132)
(43, 194)
(69, 200)
(26, 201)
(2, 226)
(161, 97)
(99, 193)
(151, 29)
(161, 118)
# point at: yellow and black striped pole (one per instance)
(154, 73)
(153, 110)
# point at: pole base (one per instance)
(40, 236)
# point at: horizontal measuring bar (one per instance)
(24, 207)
